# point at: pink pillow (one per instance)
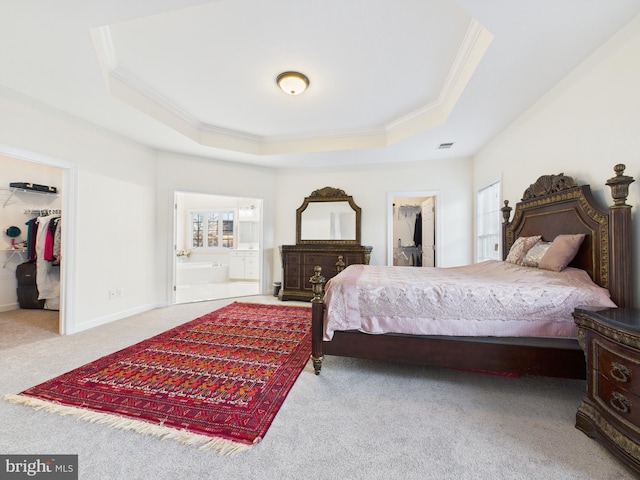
(520, 248)
(562, 250)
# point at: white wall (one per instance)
(182, 173)
(109, 239)
(584, 126)
(123, 230)
(370, 185)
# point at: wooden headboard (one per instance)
(556, 205)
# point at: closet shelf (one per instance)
(14, 190)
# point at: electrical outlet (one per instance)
(112, 294)
(119, 292)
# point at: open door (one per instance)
(429, 232)
(412, 232)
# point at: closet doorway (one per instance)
(20, 311)
(217, 247)
(412, 232)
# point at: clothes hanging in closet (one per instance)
(417, 231)
(43, 245)
(32, 229)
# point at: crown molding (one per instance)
(123, 85)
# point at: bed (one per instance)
(552, 207)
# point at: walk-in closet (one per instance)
(30, 247)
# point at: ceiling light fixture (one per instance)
(293, 83)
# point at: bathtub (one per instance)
(194, 273)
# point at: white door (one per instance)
(428, 232)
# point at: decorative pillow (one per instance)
(535, 254)
(520, 248)
(561, 252)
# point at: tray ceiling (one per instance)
(389, 81)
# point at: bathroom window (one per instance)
(212, 229)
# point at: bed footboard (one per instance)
(317, 318)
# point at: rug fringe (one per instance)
(220, 445)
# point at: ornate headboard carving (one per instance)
(548, 184)
(555, 205)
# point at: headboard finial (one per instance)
(620, 185)
(506, 212)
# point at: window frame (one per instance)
(488, 213)
(221, 233)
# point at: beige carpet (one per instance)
(20, 327)
(357, 420)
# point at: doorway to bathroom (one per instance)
(217, 247)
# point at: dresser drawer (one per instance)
(291, 258)
(617, 365)
(618, 402)
(329, 261)
(320, 258)
(292, 276)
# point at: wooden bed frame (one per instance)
(553, 205)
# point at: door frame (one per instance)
(67, 313)
(173, 247)
(391, 196)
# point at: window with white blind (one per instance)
(488, 223)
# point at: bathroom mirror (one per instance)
(328, 215)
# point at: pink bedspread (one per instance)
(486, 299)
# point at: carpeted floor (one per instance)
(216, 381)
(357, 420)
(18, 327)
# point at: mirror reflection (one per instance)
(328, 221)
(328, 216)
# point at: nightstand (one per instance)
(610, 412)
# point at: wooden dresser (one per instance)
(298, 262)
(610, 412)
(328, 234)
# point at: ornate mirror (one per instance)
(328, 215)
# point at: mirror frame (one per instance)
(327, 194)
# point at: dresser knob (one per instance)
(620, 403)
(619, 372)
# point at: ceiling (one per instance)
(390, 81)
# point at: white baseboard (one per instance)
(9, 306)
(96, 322)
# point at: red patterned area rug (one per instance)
(217, 381)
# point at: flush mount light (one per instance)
(293, 83)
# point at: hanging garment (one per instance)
(57, 243)
(417, 231)
(32, 231)
(47, 276)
